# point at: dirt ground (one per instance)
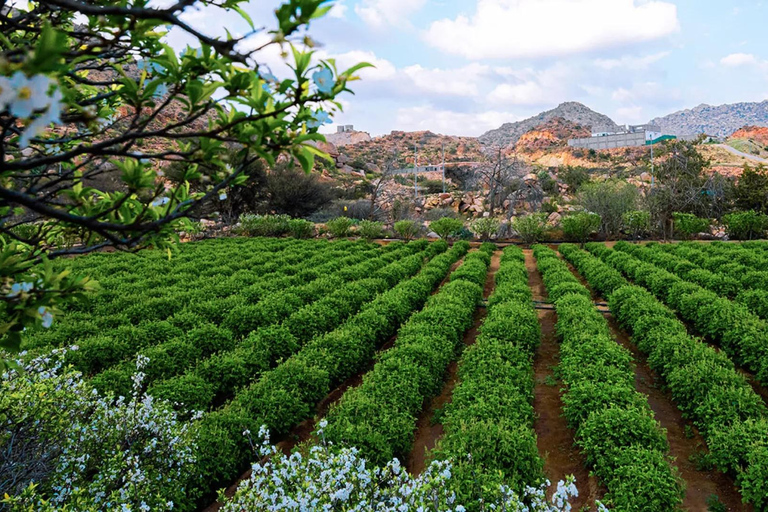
(554, 438)
(428, 431)
(685, 442)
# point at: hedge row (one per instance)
(379, 416)
(488, 424)
(229, 363)
(704, 384)
(754, 294)
(747, 253)
(615, 427)
(739, 332)
(129, 300)
(283, 397)
(111, 347)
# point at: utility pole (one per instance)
(443, 167)
(652, 166)
(415, 167)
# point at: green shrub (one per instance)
(407, 229)
(301, 228)
(486, 228)
(339, 227)
(264, 225)
(370, 230)
(687, 225)
(447, 228)
(637, 222)
(531, 227)
(578, 227)
(746, 225)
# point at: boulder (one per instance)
(445, 196)
(342, 159)
(554, 219)
(372, 168)
(348, 170)
(645, 177)
(531, 177)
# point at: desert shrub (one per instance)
(531, 227)
(746, 225)
(447, 227)
(431, 186)
(548, 184)
(369, 229)
(264, 225)
(301, 228)
(296, 193)
(486, 228)
(339, 227)
(610, 200)
(439, 213)
(688, 225)
(573, 177)
(637, 222)
(407, 229)
(579, 226)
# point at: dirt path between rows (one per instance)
(429, 431)
(554, 438)
(302, 432)
(684, 441)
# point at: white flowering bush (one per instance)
(65, 447)
(339, 479)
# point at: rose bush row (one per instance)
(112, 346)
(216, 379)
(223, 362)
(739, 332)
(488, 425)
(704, 383)
(148, 287)
(614, 426)
(283, 397)
(753, 283)
(379, 416)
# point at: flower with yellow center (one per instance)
(30, 94)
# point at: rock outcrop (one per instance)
(720, 121)
(581, 115)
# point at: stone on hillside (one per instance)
(531, 177)
(347, 169)
(554, 219)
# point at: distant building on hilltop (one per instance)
(345, 128)
(629, 136)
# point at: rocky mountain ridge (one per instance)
(720, 121)
(584, 117)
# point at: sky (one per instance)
(463, 67)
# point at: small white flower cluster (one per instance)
(97, 453)
(23, 97)
(333, 478)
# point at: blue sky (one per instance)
(462, 67)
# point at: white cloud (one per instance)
(463, 81)
(739, 59)
(631, 115)
(631, 63)
(384, 69)
(532, 87)
(449, 122)
(380, 13)
(339, 10)
(513, 28)
(646, 92)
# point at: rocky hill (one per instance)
(551, 134)
(757, 134)
(720, 121)
(581, 115)
(347, 138)
(400, 146)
